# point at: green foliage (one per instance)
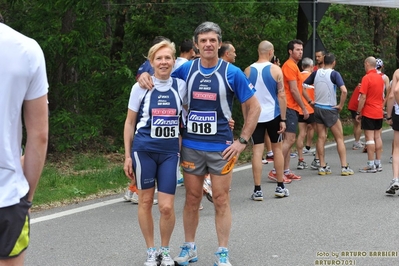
(94, 48)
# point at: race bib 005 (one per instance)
(165, 127)
(202, 122)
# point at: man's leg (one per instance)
(309, 134)
(193, 185)
(257, 152)
(321, 140)
(338, 134)
(221, 201)
(301, 137)
(289, 140)
(378, 144)
(395, 157)
(15, 261)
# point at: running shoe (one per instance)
(180, 182)
(379, 167)
(293, 154)
(257, 195)
(308, 152)
(128, 195)
(315, 165)
(345, 171)
(302, 165)
(368, 169)
(325, 170)
(390, 160)
(393, 186)
(264, 161)
(135, 199)
(187, 255)
(164, 259)
(222, 258)
(281, 192)
(270, 159)
(272, 176)
(151, 257)
(357, 146)
(292, 176)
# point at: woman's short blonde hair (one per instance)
(163, 44)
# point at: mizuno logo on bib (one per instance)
(165, 126)
(202, 122)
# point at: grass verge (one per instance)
(79, 177)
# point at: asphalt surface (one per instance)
(327, 220)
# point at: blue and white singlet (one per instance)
(266, 91)
(158, 110)
(210, 100)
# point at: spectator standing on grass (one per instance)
(268, 81)
(151, 138)
(23, 86)
(326, 111)
(370, 113)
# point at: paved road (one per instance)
(326, 219)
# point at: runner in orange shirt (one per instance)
(292, 84)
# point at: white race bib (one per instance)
(165, 126)
(202, 122)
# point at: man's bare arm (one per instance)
(36, 123)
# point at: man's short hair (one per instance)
(224, 48)
(307, 62)
(208, 26)
(159, 39)
(290, 45)
(186, 46)
(329, 58)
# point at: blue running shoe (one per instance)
(222, 258)
(187, 255)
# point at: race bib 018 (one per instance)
(202, 122)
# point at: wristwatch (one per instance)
(242, 140)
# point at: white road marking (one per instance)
(113, 201)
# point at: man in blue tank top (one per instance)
(208, 144)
